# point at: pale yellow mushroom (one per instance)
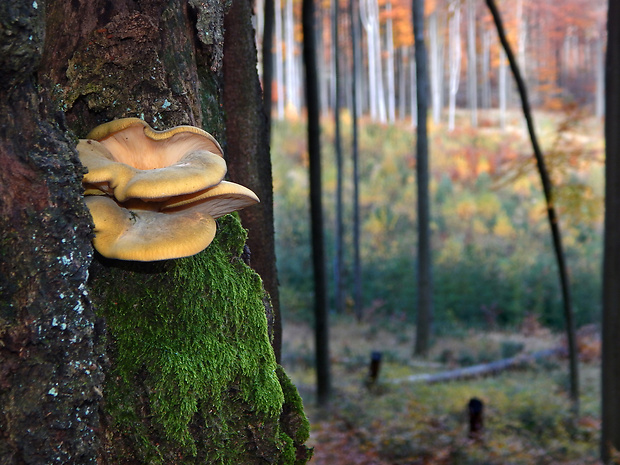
(219, 200)
(139, 162)
(146, 235)
(154, 195)
(193, 171)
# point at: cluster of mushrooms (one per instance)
(155, 195)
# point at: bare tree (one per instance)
(454, 26)
(389, 48)
(316, 208)
(472, 71)
(425, 283)
(267, 58)
(610, 409)
(279, 60)
(339, 250)
(554, 223)
(436, 63)
(355, 63)
(369, 11)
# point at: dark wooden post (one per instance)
(375, 367)
(476, 417)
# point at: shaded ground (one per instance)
(527, 417)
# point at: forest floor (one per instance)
(527, 416)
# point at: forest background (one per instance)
(493, 261)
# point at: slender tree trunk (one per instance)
(502, 88)
(292, 101)
(338, 259)
(436, 61)
(316, 209)
(425, 284)
(522, 29)
(600, 77)
(389, 48)
(472, 72)
(551, 213)
(357, 262)
(279, 60)
(610, 408)
(249, 162)
(403, 70)
(486, 69)
(267, 52)
(455, 59)
(381, 97)
(368, 22)
(414, 87)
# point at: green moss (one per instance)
(193, 346)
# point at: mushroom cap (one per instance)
(115, 132)
(143, 234)
(195, 169)
(154, 195)
(218, 200)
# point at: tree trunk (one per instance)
(368, 21)
(190, 376)
(51, 375)
(502, 88)
(600, 77)
(292, 97)
(425, 284)
(339, 248)
(316, 208)
(455, 59)
(279, 61)
(389, 48)
(610, 430)
(414, 86)
(356, 106)
(435, 75)
(472, 72)
(486, 69)
(484, 369)
(249, 161)
(554, 224)
(267, 55)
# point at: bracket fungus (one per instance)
(155, 195)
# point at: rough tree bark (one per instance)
(190, 376)
(247, 148)
(50, 363)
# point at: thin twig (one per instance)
(551, 213)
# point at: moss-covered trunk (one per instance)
(190, 375)
(249, 160)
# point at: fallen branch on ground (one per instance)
(481, 370)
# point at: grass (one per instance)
(527, 418)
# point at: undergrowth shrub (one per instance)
(493, 258)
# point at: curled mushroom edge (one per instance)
(155, 195)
